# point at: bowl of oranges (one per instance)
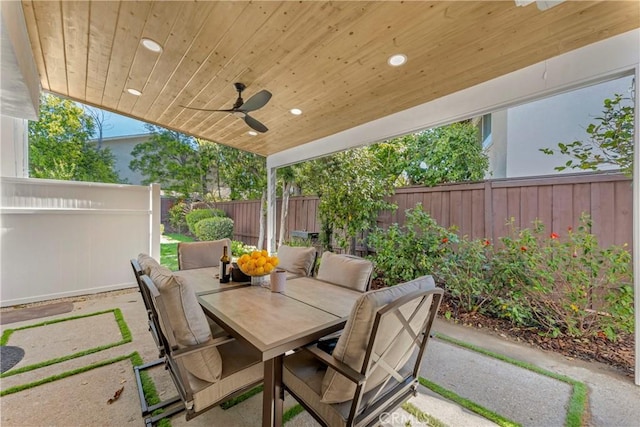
(257, 264)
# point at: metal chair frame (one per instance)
(367, 414)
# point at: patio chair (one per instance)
(299, 260)
(205, 371)
(346, 270)
(201, 254)
(171, 402)
(374, 367)
(139, 271)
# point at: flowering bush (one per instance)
(564, 284)
(560, 282)
(415, 249)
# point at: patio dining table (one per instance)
(275, 323)
(206, 279)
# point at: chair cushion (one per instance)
(188, 323)
(201, 254)
(297, 259)
(241, 367)
(147, 263)
(352, 272)
(352, 345)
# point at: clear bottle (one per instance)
(225, 262)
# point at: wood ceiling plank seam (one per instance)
(339, 35)
(75, 18)
(34, 40)
(363, 53)
(175, 34)
(113, 42)
(449, 78)
(49, 21)
(163, 18)
(527, 54)
(261, 20)
(299, 47)
(188, 79)
(256, 47)
(347, 20)
(103, 18)
(125, 46)
(179, 74)
(141, 56)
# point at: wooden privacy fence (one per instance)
(482, 209)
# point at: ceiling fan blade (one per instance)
(254, 124)
(257, 101)
(205, 109)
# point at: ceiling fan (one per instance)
(242, 109)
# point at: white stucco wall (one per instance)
(121, 147)
(544, 123)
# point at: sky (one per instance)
(117, 125)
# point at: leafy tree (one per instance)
(246, 175)
(610, 139)
(176, 161)
(352, 187)
(59, 146)
(450, 153)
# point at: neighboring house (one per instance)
(121, 147)
(513, 137)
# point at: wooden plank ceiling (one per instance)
(328, 59)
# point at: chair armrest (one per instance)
(339, 366)
(195, 348)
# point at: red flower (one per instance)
(445, 240)
(523, 248)
(554, 235)
(486, 242)
(569, 229)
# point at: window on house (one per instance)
(486, 131)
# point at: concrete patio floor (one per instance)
(520, 395)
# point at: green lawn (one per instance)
(169, 251)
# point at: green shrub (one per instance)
(466, 275)
(556, 281)
(415, 249)
(214, 228)
(197, 215)
(240, 248)
(177, 216)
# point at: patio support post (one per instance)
(271, 208)
(154, 221)
(636, 223)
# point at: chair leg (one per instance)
(146, 408)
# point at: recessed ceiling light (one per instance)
(135, 92)
(252, 133)
(397, 60)
(152, 45)
(296, 111)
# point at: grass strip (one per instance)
(577, 407)
(239, 399)
(422, 416)
(169, 251)
(470, 405)
(62, 375)
(122, 325)
(292, 412)
(149, 390)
